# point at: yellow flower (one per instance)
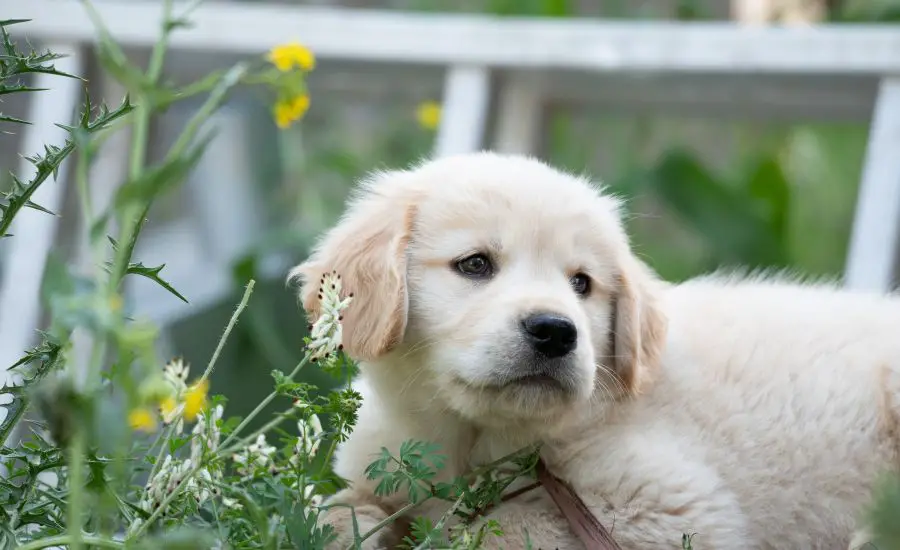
(168, 408)
(429, 114)
(287, 56)
(290, 110)
(195, 399)
(142, 419)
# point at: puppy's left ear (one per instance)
(367, 248)
(640, 324)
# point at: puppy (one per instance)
(498, 304)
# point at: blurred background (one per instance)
(724, 162)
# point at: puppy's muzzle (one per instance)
(550, 335)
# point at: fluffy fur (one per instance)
(754, 412)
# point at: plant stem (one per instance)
(262, 404)
(327, 459)
(61, 540)
(386, 521)
(231, 323)
(247, 439)
(212, 362)
(169, 430)
(133, 218)
(442, 521)
(142, 120)
(76, 484)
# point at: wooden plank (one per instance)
(397, 37)
(464, 111)
(520, 114)
(875, 240)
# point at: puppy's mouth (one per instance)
(540, 378)
(538, 381)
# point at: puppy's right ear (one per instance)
(641, 324)
(367, 248)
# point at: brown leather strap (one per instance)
(583, 523)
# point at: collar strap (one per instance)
(582, 522)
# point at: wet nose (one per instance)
(550, 335)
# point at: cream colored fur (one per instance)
(753, 412)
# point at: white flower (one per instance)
(309, 440)
(169, 477)
(314, 500)
(176, 373)
(326, 332)
(206, 433)
(231, 503)
(171, 409)
(135, 525)
(256, 455)
(274, 521)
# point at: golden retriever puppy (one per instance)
(497, 304)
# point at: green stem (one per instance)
(142, 121)
(385, 522)
(165, 503)
(244, 441)
(327, 460)
(169, 430)
(76, 484)
(231, 323)
(133, 218)
(442, 521)
(212, 362)
(263, 404)
(61, 540)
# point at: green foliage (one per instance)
(152, 273)
(48, 163)
(882, 515)
(744, 223)
(32, 368)
(417, 464)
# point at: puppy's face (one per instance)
(508, 286)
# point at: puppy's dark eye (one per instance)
(581, 284)
(476, 265)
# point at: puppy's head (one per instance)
(499, 285)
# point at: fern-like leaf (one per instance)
(33, 367)
(48, 164)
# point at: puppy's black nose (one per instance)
(551, 335)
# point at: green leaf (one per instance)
(48, 164)
(769, 187)
(4, 118)
(38, 207)
(726, 218)
(158, 179)
(152, 273)
(58, 281)
(19, 88)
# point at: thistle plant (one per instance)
(131, 450)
